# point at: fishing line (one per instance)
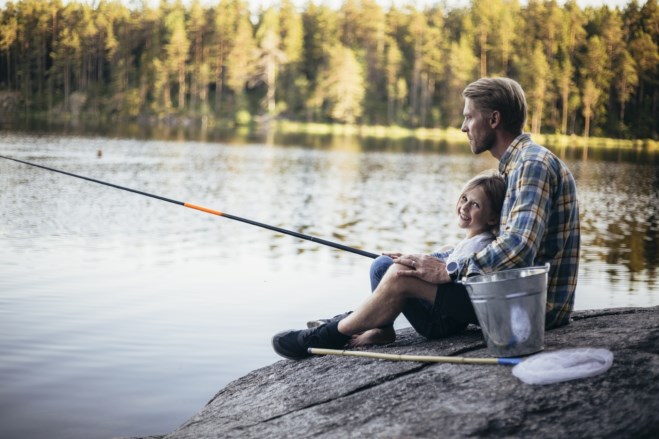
(207, 210)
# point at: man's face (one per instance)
(477, 126)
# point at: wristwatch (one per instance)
(453, 270)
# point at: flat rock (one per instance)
(359, 397)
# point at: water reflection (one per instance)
(377, 194)
(196, 132)
(104, 292)
(620, 221)
(374, 194)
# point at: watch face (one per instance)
(452, 267)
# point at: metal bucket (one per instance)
(510, 306)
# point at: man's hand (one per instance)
(424, 267)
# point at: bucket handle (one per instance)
(463, 281)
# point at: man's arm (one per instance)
(528, 202)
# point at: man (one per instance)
(539, 223)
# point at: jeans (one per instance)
(450, 314)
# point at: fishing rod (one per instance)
(207, 210)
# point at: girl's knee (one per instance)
(381, 263)
(378, 269)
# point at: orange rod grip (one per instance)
(203, 209)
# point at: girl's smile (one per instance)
(474, 212)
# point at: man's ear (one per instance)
(495, 119)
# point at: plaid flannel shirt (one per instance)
(539, 224)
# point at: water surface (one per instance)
(122, 315)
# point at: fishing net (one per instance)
(563, 365)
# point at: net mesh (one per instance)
(563, 365)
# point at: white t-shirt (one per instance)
(469, 246)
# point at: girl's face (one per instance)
(474, 212)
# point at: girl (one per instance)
(477, 210)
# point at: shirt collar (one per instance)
(511, 152)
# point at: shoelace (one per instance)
(336, 317)
(313, 334)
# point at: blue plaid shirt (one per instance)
(539, 224)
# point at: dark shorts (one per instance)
(450, 314)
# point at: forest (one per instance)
(589, 71)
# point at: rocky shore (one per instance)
(337, 397)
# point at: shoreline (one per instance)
(360, 397)
(265, 126)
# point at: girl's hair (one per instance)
(494, 186)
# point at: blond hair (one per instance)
(504, 95)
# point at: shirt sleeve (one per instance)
(528, 203)
(442, 256)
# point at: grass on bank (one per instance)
(455, 135)
(451, 135)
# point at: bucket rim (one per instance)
(481, 278)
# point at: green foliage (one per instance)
(341, 86)
(585, 70)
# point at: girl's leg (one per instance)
(386, 303)
(385, 334)
(379, 267)
(378, 336)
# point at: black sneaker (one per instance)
(319, 322)
(294, 344)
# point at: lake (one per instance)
(122, 315)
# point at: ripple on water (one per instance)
(104, 292)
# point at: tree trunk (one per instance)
(483, 53)
(564, 96)
(8, 69)
(181, 86)
(42, 67)
(194, 81)
(536, 121)
(271, 72)
(623, 92)
(390, 106)
(67, 86)
(218, 82)
(587, 123)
